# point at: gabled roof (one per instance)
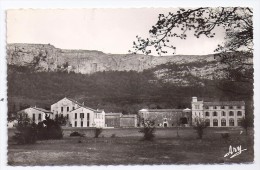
(39, 109)
(42, 110)
(96, 111)
(74, 101)
(225, 103)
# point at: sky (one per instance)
(107, 30)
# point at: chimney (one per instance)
(194, 99)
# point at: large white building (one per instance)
(77, 114)
(218, 114)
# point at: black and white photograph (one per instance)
(130, 86)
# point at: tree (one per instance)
(148, 129)
(200, 125)
(236, 21)
(26, 130)
(245, 123)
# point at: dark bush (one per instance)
(148, 129)
(76, 134)
(225, 136)
(97, 132)
(199, 126)
(26, 131)
(49, 129)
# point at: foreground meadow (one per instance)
(125, 146)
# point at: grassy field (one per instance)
(128, 148)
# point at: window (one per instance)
(81, 115)
(75, 115)
(230, 107)
(239, 122)
(87, 119)
(231, 113)
(207, 122)
(215, 107)
(223, 122)
(215, 114)
(81, 123)
(206, 107)
(223, 113)
(239, 107)
(231, 122)
(73, 108)
(68, 109)
(207, 113)
(239, 113)
(222, 107)
(75, 124)
(215, 122)
(33, 117)
(40, 117)
(61, 115)
(67, 116)
(61, 109)
(56, 116)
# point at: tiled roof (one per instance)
(74, 101)
(113, 114)
(125, 116)
(42, 110)
(96, 111)
(225, 103)
(162, 110)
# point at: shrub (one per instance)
(199, 126)
(225, 136)
(97, 132)
(26, 131)
(49, 129)
(76, 134)
(148, 129)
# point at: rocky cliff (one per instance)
(46, 57)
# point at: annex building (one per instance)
(218, 113)
(166, 117)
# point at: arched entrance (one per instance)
(165, 124)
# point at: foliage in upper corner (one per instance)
(237, 22)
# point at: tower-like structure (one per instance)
(197, 109)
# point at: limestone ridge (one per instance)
(46, 57)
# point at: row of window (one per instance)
(81, 115)
(81, 124)
(231, 113)
(68, 108)
(223, 122)
(223, 107)
(34, 117)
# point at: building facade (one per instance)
(218, 114)
(78, 114)
(128, 121)
(65, 106)
(166, 117)
(35, 114)
(112, 119)
(86, 117)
